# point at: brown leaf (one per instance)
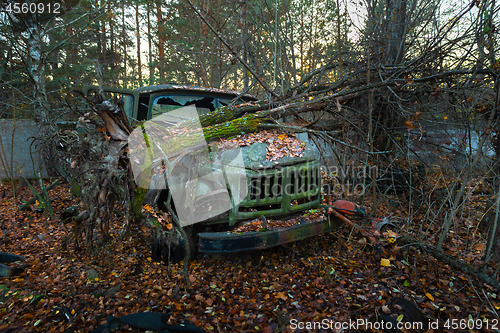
(281, 295)
(409, 124)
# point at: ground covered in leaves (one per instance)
(330, 279)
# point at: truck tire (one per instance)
(173, 248)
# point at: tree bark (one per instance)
(138, 41)
(150, 49)
(243, 42)
(161, 41)
(396, 25)
(40, 103)
(124, 40)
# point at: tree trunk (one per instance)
(112, 47)
(104, 41)
(138, 41)
(396, 25)
(243, 42)
(161, 42)
(124, 40)
(150, 50)
(41, 109)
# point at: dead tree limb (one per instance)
(32, 200)
(440, 255)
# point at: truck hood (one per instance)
(254, 156)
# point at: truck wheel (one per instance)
(173, 248)
(183, 247)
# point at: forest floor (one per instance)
(326, 281)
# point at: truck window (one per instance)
(128, 106)
(142, 108)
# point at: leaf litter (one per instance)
(336, 277)
(280, 144)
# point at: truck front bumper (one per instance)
(225, 242)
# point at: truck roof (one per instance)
(177, 88)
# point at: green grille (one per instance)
(279, 191)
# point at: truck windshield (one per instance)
(165, 103)
(225, 101)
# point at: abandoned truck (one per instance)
(231, 186)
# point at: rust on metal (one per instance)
(345, 207)
(224, 242)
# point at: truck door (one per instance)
(129, 97)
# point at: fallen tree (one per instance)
(371, 108)
(97, 163)
(100, 164)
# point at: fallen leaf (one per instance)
(282, 296)
(409, 124)
(385, 262)
(480, 247)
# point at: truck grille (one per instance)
(280, 191)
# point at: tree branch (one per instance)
(234, 53)
(440, 255)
